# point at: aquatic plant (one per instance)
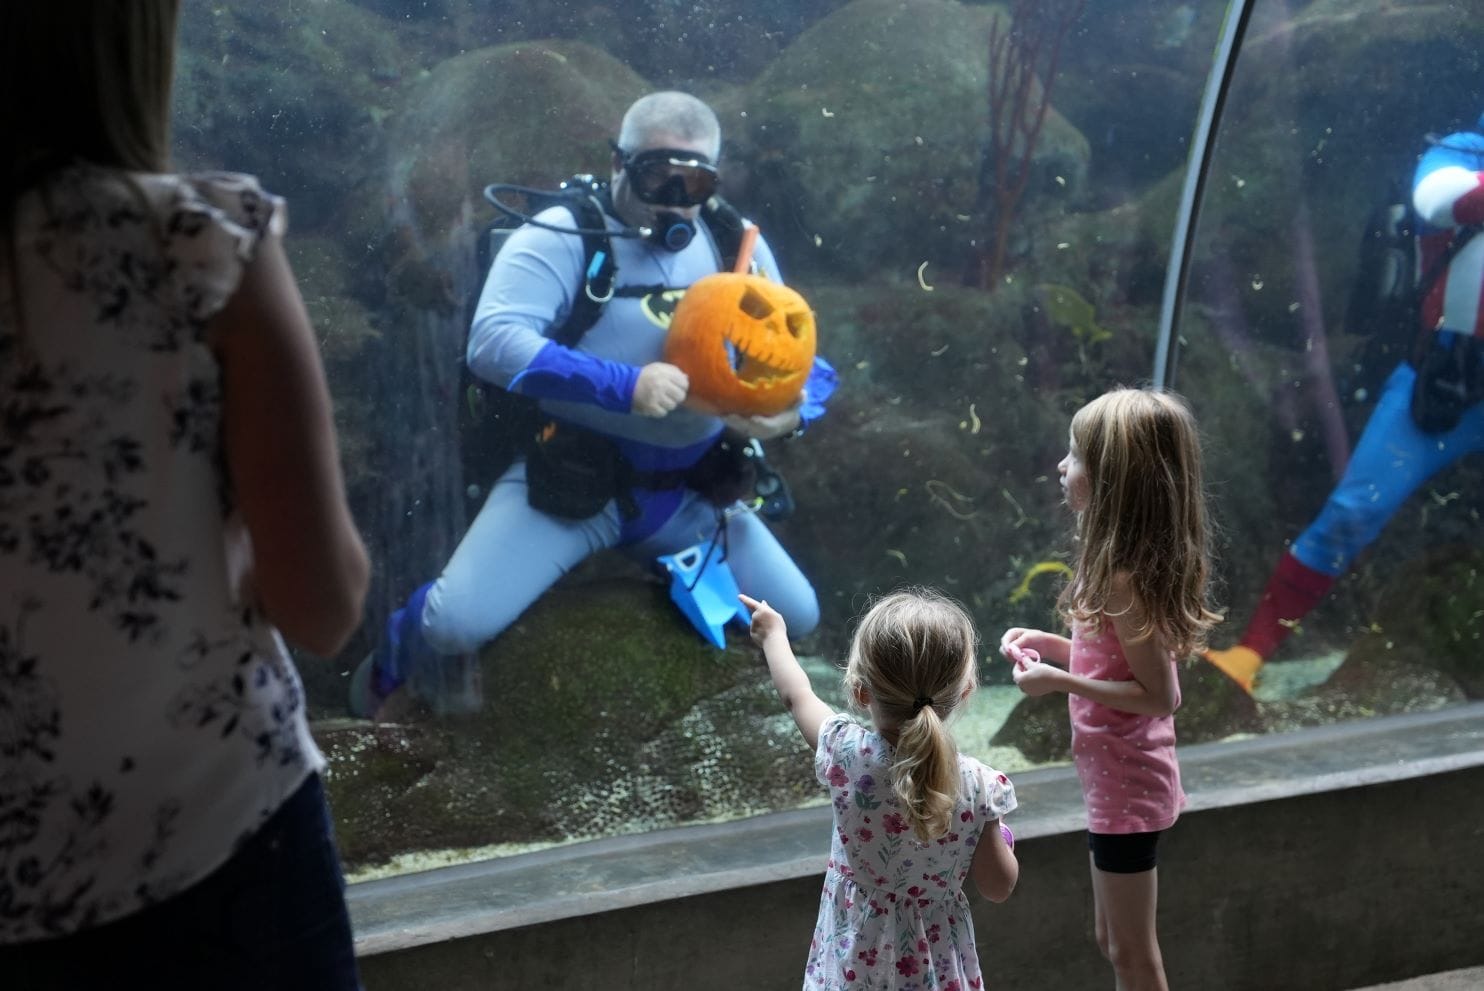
(1023, 61)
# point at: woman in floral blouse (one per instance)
(170, 500)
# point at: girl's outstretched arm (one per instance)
(770, 633)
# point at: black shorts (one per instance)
(1124, 853)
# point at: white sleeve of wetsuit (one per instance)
(529, 290)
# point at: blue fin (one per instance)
(702, 585)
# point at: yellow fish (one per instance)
(1039, 568)
(1066, 308)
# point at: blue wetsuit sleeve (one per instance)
(529, 290)
(818, 389)
(573, 376)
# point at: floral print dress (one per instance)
(893, 913)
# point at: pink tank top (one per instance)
(1126, 762)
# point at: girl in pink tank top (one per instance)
(1135, 605)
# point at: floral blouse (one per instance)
(150, 718)
(893, 913)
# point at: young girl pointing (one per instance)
(1135, 604)
(912, 816)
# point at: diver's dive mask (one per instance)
(669, 176)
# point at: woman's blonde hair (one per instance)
(1145, 521)
(914, 653)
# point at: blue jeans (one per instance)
(273, 916)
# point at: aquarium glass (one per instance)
(1297, 335)
(976, 203)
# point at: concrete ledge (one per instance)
(1268, 822)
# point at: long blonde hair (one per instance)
(1145, 518)
(914, 653)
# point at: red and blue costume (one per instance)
(1394, 456)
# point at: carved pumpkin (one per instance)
(746, 344)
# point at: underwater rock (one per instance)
(604, 712)
(877, 171)
(530, 113)
(1430, 614)
(732, 755)
(1039, 728)
(1369, 683)
(1118, 63)
(1212, 706)
(1324, 113)
(930, 507)
(257, 90)
(373, 770)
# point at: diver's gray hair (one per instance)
(671, 113)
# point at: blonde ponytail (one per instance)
(925, 773)
(914, 656)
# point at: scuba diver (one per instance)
(622, 458)
(1429, 414)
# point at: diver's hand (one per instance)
(661, 388)
(766, 621)
(765, 427)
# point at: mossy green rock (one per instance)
(1212, 706)
(291, 90)
(1039, 728)
(1383, 684)
(625, 720)
(1431, 615)
(529, 113)
(865, 133)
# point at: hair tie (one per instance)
(920, 703)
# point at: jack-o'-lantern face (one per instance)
(746, 344)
